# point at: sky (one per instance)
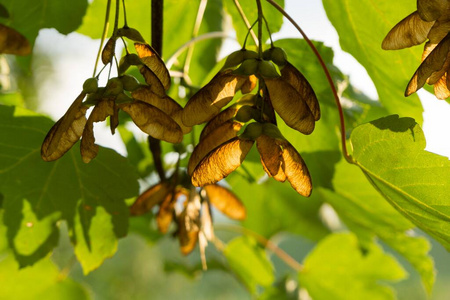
(73, 58)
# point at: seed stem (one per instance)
(247, 23)
(103, 38)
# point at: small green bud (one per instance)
(114, 87)
(252, 131)
(130, 83)
(90, 85)
(234, 59)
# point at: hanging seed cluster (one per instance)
(259, 85)
(269, 85)
(430, 23)
(149, 107)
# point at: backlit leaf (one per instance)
(337, 269)
(249, 262)
(89, 197)
(390, 151)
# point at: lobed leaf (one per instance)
(90, 198)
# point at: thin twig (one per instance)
(327, 74)
(247, 23)
(104, 34)
(286, 258)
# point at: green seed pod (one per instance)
(130, 83)
(234, 59)
(90, 85)
(272, 131)
(277, 55)
(114, 87)
(250, 54)
(248, 67)
(245, 114)
(92, 99)
(252, 131)
(267, 69)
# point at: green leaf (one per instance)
(273, 17)
(138, 17)
(390, 151)
(41, 281)
(362, 26)
(29, 16)
(367, 213)
(337, 269)
(250, 263)
(37, 194)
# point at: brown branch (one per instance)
(157, 43)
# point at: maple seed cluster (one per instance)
(194, 220)
(431, 21)
(149, 107)
(280, 88)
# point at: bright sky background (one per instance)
(73, 58)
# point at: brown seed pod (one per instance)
(226, 201)
(209, 100)
(12, 42)
(151, 59)
(66, 132)
(153, 121)
(221, 161)
(290, 105)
